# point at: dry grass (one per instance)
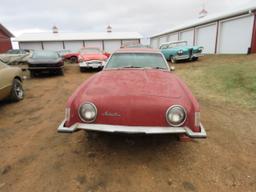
(222, 78)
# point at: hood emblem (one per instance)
(108, 114)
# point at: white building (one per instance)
(108, 41)
(229, 33)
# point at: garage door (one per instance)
(94, 44)
(173, 37)
(206, 37)
(30, 45)
(153, 43)
(162, 40)
(73, 45)
(53, 46)
(235, 35)
(188, 36)
(130, 42)
(112, 45)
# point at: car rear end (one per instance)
(45, 61)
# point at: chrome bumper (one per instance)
(132, 129)
(91, 64)
(181, 57)
(197, 55)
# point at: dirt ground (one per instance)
(34, 157)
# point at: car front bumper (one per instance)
(132, 129)
(181, 57)
(92, 64)
(45, 68)
(197, 55)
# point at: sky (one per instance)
(145, 16)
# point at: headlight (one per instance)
(88, 112)
(180, 51)
(176, 115)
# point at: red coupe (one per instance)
(91, 58)
(135, 93)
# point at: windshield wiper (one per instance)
(130, 66)
(158, 68)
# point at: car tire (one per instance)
(91, 135)
(172, 59)
(73, 60)
(194, 58)
(82, 69)
(61, 72)
(17, 92)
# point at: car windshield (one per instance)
(45, 55)
(13, 51)
(137, 60)
(178, 44)
(90, 51)
(64, 51)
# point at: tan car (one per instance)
(11, 83)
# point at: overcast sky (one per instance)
(144, 16)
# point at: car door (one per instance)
(5, 81)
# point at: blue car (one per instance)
(179, 50)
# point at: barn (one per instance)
(233, 32)
(5, 39)
(108, 41)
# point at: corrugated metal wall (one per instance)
(5, 42)
(227, 36)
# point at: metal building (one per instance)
(228, 33)
(5, 39)
(108, 41)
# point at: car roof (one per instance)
(137, 50)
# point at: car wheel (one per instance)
(17, 92)
(91, 135)
(82, 69)
(73, 60)
(61, 72)
(172, 59)
(194, 58)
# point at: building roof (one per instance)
(28, 37)
(211, 18)
(137, 50)
(6, 31)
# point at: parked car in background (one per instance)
(16, 56)
(136, 46)
(45, 61)
(135, 93)
(63, 52)
(91, 58)
(179, 50)
(11, 83)
(71, 56)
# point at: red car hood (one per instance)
(88, 57)
(134, 83)
(134, 97)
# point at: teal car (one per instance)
(179, 50)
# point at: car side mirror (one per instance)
(172, 68)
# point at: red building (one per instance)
(5, 39)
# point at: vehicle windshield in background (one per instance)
(178, 44)
(90, 51)
(45, 55)
(137, 60)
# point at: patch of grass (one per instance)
(225, 78)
